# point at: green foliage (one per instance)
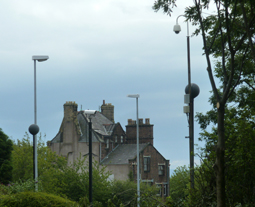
(73, 181)
(84, 202)
(228, 40)
(32, 199)
(166, 5)
(179, 183)
(131, 176)
(22, 159)
(125, 193)
(239, 153)
(20, 186)
(5, 158)
(204, 193)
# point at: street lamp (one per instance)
(137, 147)
(192, 91)
(177, 29)
(33, 128)
(90, 113)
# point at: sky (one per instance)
(100, 50)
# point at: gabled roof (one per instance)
(101, 125)
(122, 154)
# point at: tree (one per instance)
(125, 193)
(227, 39)
(72, 181)
(179, 185)
(5, 158)
(240, 146)
(22, 159)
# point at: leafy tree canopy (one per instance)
(5, 158)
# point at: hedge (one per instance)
(35, 199)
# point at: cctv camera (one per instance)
(177, 28)
(90, 112)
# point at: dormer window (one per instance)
(116, 139)
(121, 139)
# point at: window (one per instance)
(146, 164)
(159, 187)
(121, 139)
(161, 170)
(116, 138)
(148, 182)
(165, 189)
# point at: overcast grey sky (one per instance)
(99, 50)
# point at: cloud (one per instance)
(99, 50)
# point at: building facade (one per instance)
(112, 147)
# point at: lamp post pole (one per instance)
(191, 115)
(35, 136)
(90, 113)
(137, 148)
(177, 29)
(39, 58)
(90, 162)
(137, 152)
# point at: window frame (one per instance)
(159, 187)
(161, 172)
(146, 163)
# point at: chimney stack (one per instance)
(145, 131)
(70, 110)
(108, 110)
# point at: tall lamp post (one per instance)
(33, 128)
(192, 90)
(90, 113)
(137, 148)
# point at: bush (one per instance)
(125, 193)
(32, 199)
(19, 186)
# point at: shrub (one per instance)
(32, 199)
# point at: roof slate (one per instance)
(101, 124)
(122, 154)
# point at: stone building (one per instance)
(112, 146)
